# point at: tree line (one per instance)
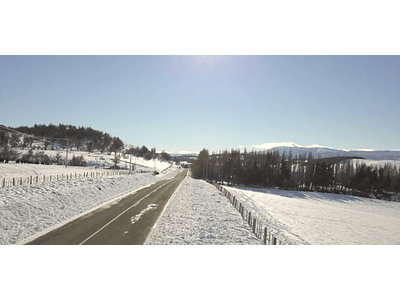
(80, 138)
(304, 172)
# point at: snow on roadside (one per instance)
(28, 210)
(199, 214)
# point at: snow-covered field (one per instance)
(199, 214)
(323, 219)
(29, 210)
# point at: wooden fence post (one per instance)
(274, 241)
(248, 221)
(30, 181)
(37, 179)
(4, 182)
(254, 225)
(44, 178)
(265, 235)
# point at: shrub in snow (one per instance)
(57, 159)
(78, 161)
(9, 155)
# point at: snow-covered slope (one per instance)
(93, 160)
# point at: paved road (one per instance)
(127, 222)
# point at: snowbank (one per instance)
(199, 214)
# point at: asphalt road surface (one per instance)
(126, 222)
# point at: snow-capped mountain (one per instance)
(183, 154)
(323, 151)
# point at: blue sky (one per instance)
(188, 103)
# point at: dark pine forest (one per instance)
(303, 172)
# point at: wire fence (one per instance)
(262, 232)
(28, 180)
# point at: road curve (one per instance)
(126, 222)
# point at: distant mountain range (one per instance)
(184, 154)
(323, 151)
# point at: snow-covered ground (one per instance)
(26, 211)
(323, 219)
(96, 162)
(104, 160)
(198, 214)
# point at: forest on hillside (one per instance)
(303, 172)
(52, 137)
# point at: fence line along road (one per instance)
(262, 232)
(28, 180)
